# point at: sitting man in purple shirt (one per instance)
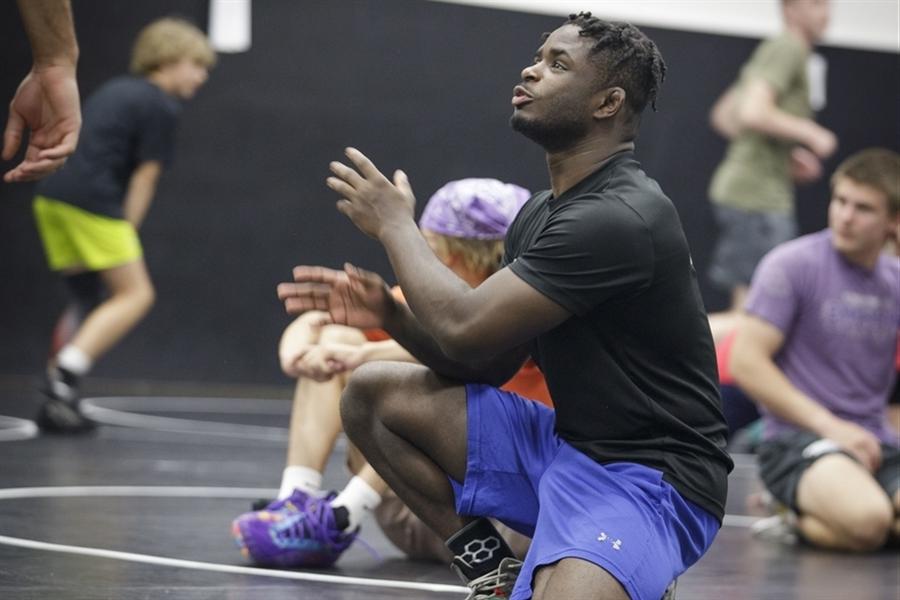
(816, 350)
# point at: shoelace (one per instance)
(295, 502)
(311, 522)
(315, 521)
(498, 581)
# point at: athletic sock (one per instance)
(74, 360)
(356, 499)
(478, 548)
(64, 374)
(301, 478)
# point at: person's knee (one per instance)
(340, 334)
(869, 526)
(864, 525)
(380, 392)
(140, 294)
(145, 296)
(361, 398)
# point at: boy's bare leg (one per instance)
(131, 297)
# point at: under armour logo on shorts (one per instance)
(616, 544)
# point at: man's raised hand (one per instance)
(369, 199)
(352, 297)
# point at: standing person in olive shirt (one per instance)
(774, 143)
(88, 212)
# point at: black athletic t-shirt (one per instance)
(126, 122)
(633, 372)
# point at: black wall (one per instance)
(419, 85)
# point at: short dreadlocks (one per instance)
(626, 58)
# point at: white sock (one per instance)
(357, 498)
(296, 477)
(74, 360)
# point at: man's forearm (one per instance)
(765, 383)
(407, 331)
(435, 294)
(779, 124)
(51, 32)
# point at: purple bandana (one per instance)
(479, 209)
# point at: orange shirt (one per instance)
(528, 382)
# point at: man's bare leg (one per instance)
(576, 579)
(411, 427)
(842, 507)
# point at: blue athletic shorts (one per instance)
(621, 516)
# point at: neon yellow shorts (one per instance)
(74, 237)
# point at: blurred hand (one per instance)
(46, 105)
(293, 348)
(823, 142)
(856, 440)
(316, 365)
(805, 166)
(344, 357)
(352, 297)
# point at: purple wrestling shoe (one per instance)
(292, 534)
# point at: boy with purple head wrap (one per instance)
(477, 209)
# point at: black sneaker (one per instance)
(61, 384)
(59, 416)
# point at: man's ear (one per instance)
(609, 102)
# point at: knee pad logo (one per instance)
(479, 551)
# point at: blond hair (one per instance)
(878, 168)
(169, 40)
(481, 257)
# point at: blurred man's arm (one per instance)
(753, 367)
(758, 111)
(51, 32)
(46, 105)
(723, 115)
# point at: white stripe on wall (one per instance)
(860, 24)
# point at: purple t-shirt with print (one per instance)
(840, 324)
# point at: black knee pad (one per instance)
(86, 290)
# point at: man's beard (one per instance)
(554, 134)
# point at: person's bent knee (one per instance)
(360, 398)
(375, 392)
(140, 294)
(869, 528)
(864, 527)
(145, 297)
(341, 334)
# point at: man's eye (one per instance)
(558, 65)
